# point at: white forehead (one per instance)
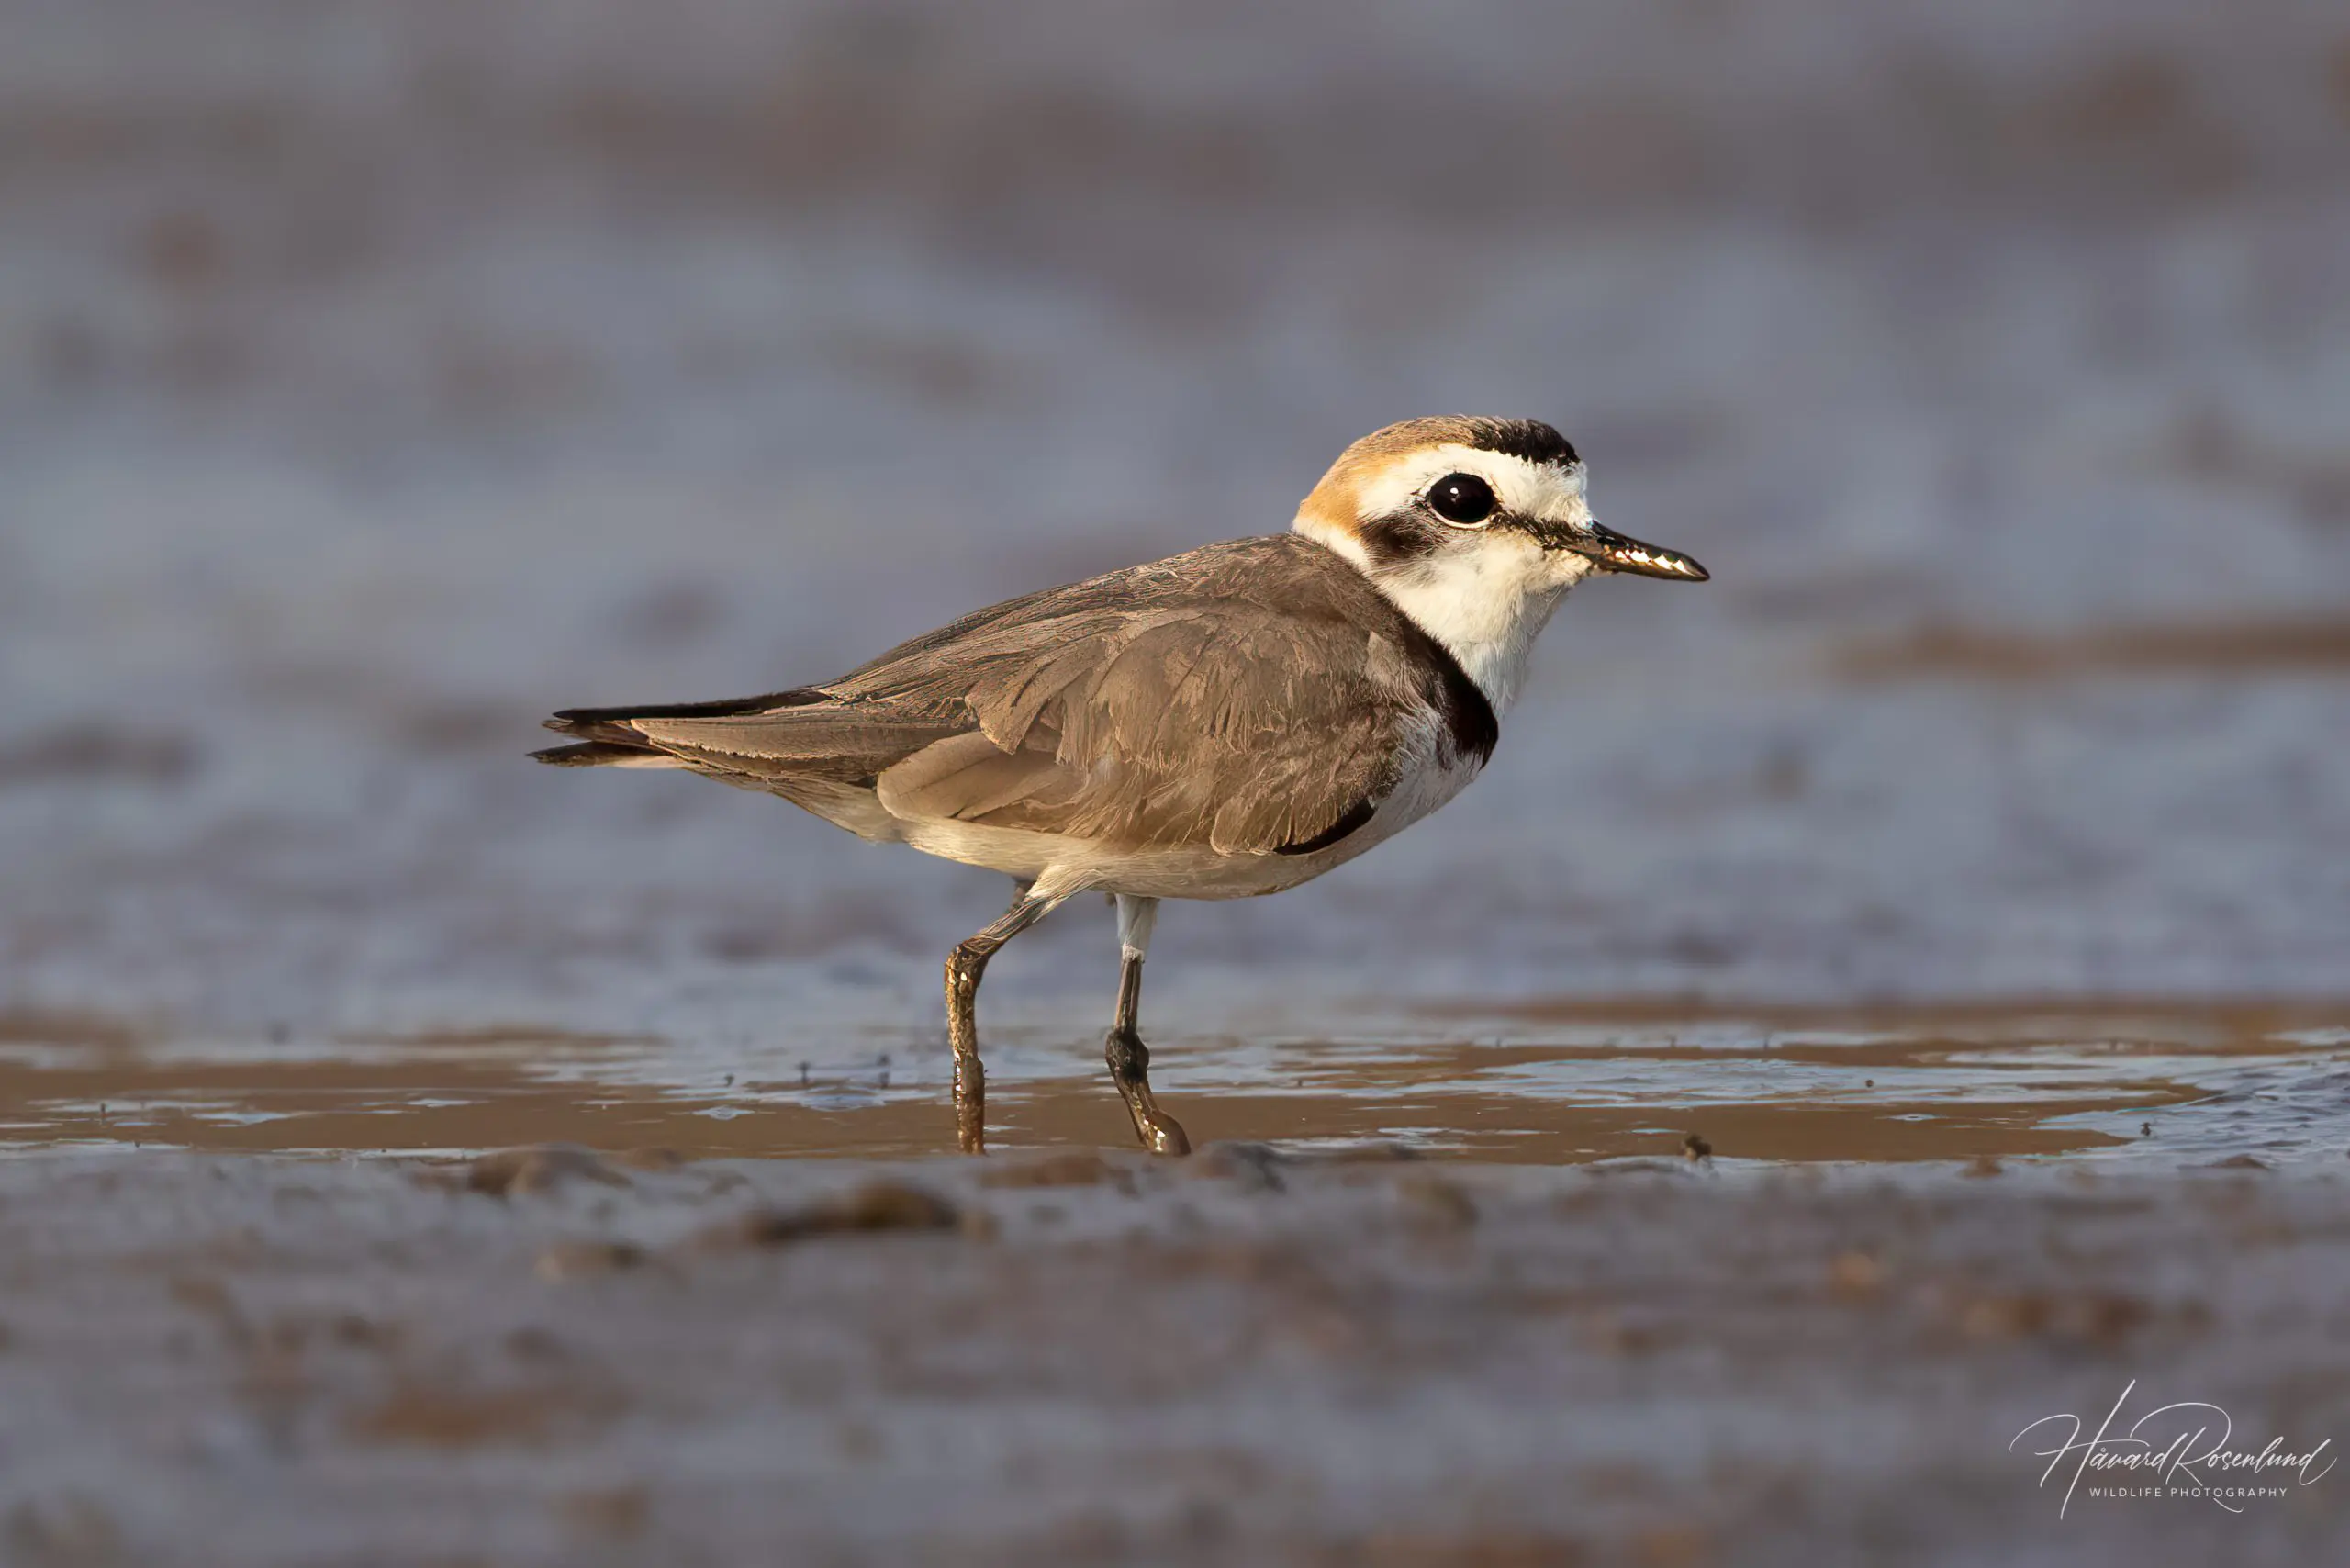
(1528, 488)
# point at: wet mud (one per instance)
(1559, 1082)
(1247, 1356)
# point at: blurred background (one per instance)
(376, 375)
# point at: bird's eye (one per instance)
(1462, 500)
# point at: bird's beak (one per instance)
(1614, 553)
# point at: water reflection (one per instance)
(1578, 1082)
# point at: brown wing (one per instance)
(1248, 697)
(1230, 727)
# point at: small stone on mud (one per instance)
(2003, 1316)
(1076, 1168)
(2099, 1317)
(874, 1207)
(435, 1416)
(1695, 1147)
(1854, 1275)
(576, 1260)
(507, 1172)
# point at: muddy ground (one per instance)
(551, 1358)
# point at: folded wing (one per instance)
(1252, 698)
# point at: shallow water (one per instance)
(1552, 1085)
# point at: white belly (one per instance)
(1061, 865)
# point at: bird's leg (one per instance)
(1128, 1057)
(964, 967)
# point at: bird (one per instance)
(1223, 724)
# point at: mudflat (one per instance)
(547, 1356)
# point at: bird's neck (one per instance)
(1485, 607)
(1491, 633)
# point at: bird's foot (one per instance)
(1161, 1133)
(1129, 1062)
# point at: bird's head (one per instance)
(1474, 527)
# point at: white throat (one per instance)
(1486, 605)
(1484, 612)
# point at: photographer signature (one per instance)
(2177, 1451)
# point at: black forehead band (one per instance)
(1529, 439)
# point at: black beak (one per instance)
(1614, 553)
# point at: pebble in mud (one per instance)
(1855, 1275)
(872, 1209)
(511, 1172)
(2103, 1318)
(433, 1415)
(1075, 1168)
(1693, 1147)
(581, 1259)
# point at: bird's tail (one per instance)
(605, 754)
(609, 739)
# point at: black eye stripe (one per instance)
(1401, 536)
(1465, 501)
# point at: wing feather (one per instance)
(1250, 698)
(1228, 726)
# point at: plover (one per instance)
(1229, 722)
